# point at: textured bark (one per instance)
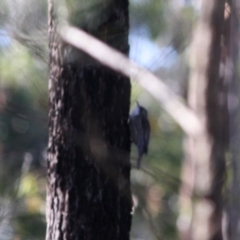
(206, 152)
(88, 193)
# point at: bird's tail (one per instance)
(139, 160)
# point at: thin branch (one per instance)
(108, 56)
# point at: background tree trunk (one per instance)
(206, 152)
(88, 194)
(233, 79)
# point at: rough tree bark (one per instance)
(205, 154)
(88, 193)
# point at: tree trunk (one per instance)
(233, 78)
(88, 193)
(205, 154)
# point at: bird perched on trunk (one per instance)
(140, 131)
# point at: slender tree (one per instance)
(88, 168)
(201, 212)
(232, 55)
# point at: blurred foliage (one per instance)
(23, 118)
(181, 28)
(150, 13)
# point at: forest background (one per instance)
(160, 36)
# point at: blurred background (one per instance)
(160, 33)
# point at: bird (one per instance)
(140, 131)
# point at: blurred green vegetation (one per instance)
(23, 121)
